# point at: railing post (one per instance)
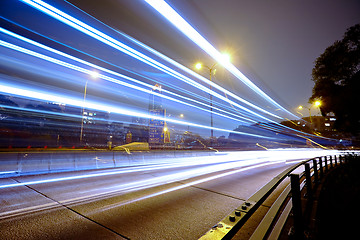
(331, 163)
(308, 181)
(335, 158)
(297, 211)
(325, 164)
(316, 174)
(321, 168)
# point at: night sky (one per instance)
(274, 43)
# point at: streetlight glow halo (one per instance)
(198, 66)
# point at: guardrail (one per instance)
(289, 200)
(37, 162)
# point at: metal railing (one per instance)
(289, 199)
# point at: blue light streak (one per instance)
(202, 166)
(187, 70)
(110, 79)
(207, 81)
(71, 21)
(100, 107)
(121, 75)
(218, 166)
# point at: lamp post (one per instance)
(94, 75)
(315, 104)
(182, 117)
(212, 71)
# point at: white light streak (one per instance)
(101, 69)
(77, 24)
(171, 15)
(95, 74)
(107, 108)
(207, 81)
(71, 21)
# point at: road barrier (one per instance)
(290, 200)
(38, 162)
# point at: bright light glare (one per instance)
(225, 57)
(198, 66)
(317, 103)
(94, 74)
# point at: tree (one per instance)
(337, 81)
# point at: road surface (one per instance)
(176, 199)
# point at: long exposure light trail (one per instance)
(113, 73)
(279, 127)
(191, 183)
(71, 21)
(121, 76)
(219, 165)
(207, 81)
(164, 164)
(135, 186)
(187, 70)
(110, 79)
(171, 15)
(91, 105)
(247, 117)
(259, 163)
(211, 164)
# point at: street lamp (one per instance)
(94, 75)
(315, 104)
(212, 71)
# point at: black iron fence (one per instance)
(304, 179)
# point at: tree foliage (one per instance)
(337, 81)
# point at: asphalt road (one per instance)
(179, 199)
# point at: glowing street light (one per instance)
(198, 66)
(317, 103)
(225, 58)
